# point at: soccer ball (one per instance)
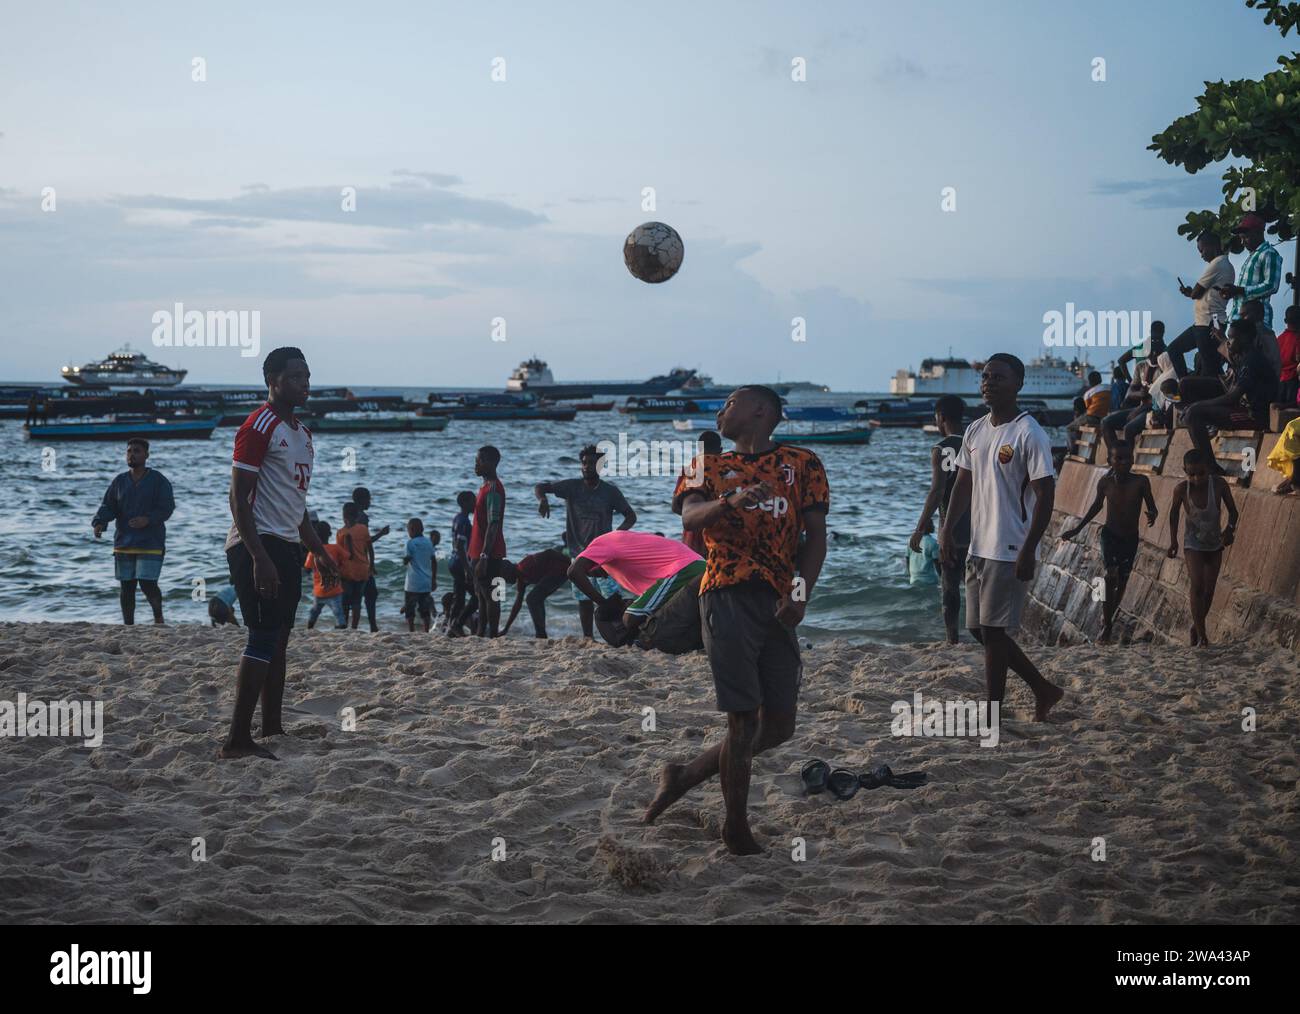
(653, 252)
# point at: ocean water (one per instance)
(54, 569)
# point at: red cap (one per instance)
(1249, 222)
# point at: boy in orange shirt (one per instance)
(354, 561)
(325, 593)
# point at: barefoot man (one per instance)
(1005, 474)
(752, 506)
(268, 499)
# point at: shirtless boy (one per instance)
(1123, 493)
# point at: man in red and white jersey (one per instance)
(268, 501)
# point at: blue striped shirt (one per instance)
(1261, 277)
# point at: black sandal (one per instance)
(815, 775)
(843, 783)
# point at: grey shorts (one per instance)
(995, 597)
(754, 657)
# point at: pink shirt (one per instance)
(636, 560)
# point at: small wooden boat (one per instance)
(845, 435)
(823, 424)
(125, 428)
(521, 413)
(377, 424)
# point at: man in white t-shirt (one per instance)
(270, 473)
(1005, 474)
(1208, 304)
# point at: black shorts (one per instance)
(754, 657)
(674, 628)
(353, 591)
(1118, 551)
(421, 602)
(260, 613)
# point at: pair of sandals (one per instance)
(818, 776)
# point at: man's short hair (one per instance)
(768, 395)
(1292, 314)
(139, 442)
(1017, 367)
(1211, 240)
(350, 510)
(711, 441)
(950, 408)
(1194, 457)
(322, 530)
(490, 454)
(590, 451)
(1094, 377)
(277, 359)
(1122, 447)
(463, 497)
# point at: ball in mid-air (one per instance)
(653, 252)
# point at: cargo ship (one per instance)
(535, 375)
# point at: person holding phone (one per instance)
(1208, 305)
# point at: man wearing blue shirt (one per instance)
(138, 502)
(1260, 274)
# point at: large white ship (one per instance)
(124, 368)
(1045, 377)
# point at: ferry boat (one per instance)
(535, 375)
(124, 368)
(1045, 377)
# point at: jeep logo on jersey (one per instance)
(777, 506)
(787, 473)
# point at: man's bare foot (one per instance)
(670, 790)
(275, 731)
(1195, 638)
(1203, 639)
(229, 751)
(740, 843)
(1046, 702)
(1105, 636)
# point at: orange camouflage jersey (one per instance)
(758, 543)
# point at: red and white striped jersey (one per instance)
(282, 455)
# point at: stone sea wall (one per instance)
(1258, 594)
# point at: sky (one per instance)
(479, 199)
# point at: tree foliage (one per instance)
(1257, 122)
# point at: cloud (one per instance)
(414, 202)
(437, 179)
(1189, 192)
(901, 70)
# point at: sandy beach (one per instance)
(541, 744)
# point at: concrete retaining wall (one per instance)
(1258, 595)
